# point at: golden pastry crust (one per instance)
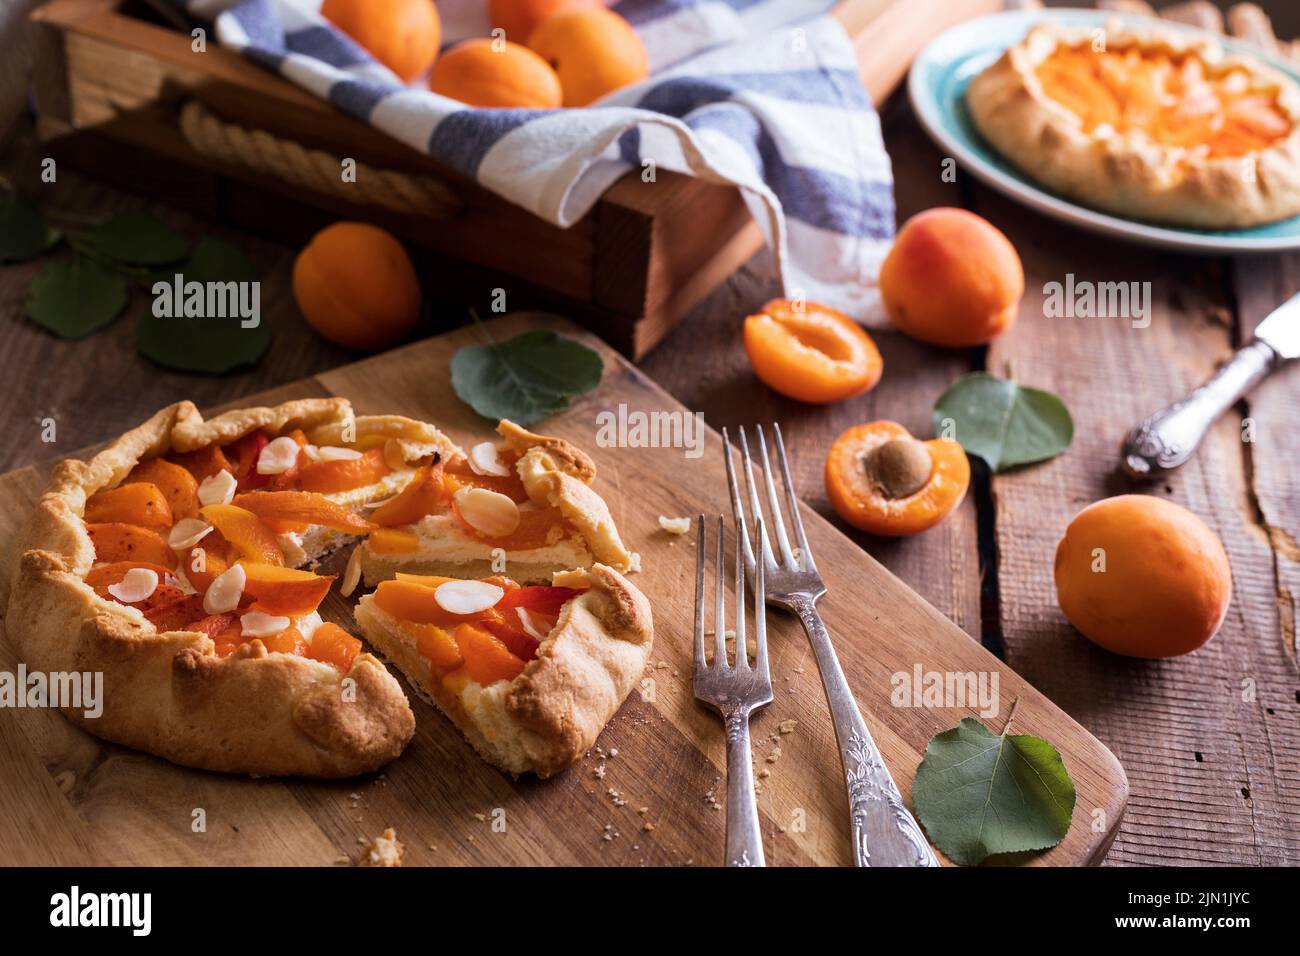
(551, 714)
(167, 692)
(1128, 174)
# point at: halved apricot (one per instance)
(419, 498)
(288, 641)
(281, 590)
(811, 353)
(487, 659)
(118, 541)
(246, 532)
(176, 484)
(882, 480)
(343, 474)
(138, 503)
(302, 508)
(333, 645)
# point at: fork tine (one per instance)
(805, 553)
(742, 654)
(699, 595)
(787, 556)
(752, 486)
(720, 588)
(737, 506)
(760, 607)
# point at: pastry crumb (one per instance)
(383, 850)
(787, 726)
(675, 525)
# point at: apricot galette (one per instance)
(1155, 122)
(179, 562)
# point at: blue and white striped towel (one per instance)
(762, 94)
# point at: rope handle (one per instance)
(315, 169)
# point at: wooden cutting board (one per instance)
(650, 792)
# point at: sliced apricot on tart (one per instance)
(138, 503)
(280, 590)
(246, 532)
(179, 614)
(203, 462)
(118, 541)
(393, 541)
(177, 485)
(420, 497)
(101, 576)
(487, 659)
(435, 644)
(327, 477)
(302, 508)
(333, 645)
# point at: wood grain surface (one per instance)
(646, 793)
(1196, 759)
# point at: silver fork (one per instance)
(884, 832)
(736, 690)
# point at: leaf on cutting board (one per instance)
(73, 299)
(1003, 423)
(979, 794)
(525, 379)
(137, 238)
(24, 234)
(211, 344)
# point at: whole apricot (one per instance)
(882, 480)
(594, 50)
(1142, 576)
(519, 18)
(356, 286)
(496, 73)
(811, 353)
(404, 35)
(952, 278)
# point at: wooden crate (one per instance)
(644, 256)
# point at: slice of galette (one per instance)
(525, 504)
(530, 675)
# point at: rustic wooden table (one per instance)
(1211, 742)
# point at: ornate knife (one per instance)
(1165, 440)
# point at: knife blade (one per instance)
(1163, 441)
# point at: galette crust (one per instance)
(551, 714)
(167, 692)
(1128, 175)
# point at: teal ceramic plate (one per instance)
(937, 85)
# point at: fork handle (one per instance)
(744, 839)
(884, 832)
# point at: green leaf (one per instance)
(525, 379)
(1004, 423)
(979, 794)
(191, 340)
(73, 299)
(137, 238)
(24, 233)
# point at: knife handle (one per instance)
(1165, 440)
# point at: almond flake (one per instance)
(490, 513)
(335, 453)
(484, 460)
(467, 597)
(188, 532)
(279, 455)
(261, 624)
(533, 624)
(218, 489)
(308, 623)
(351, 573)
(225, 591)
(136, 585)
